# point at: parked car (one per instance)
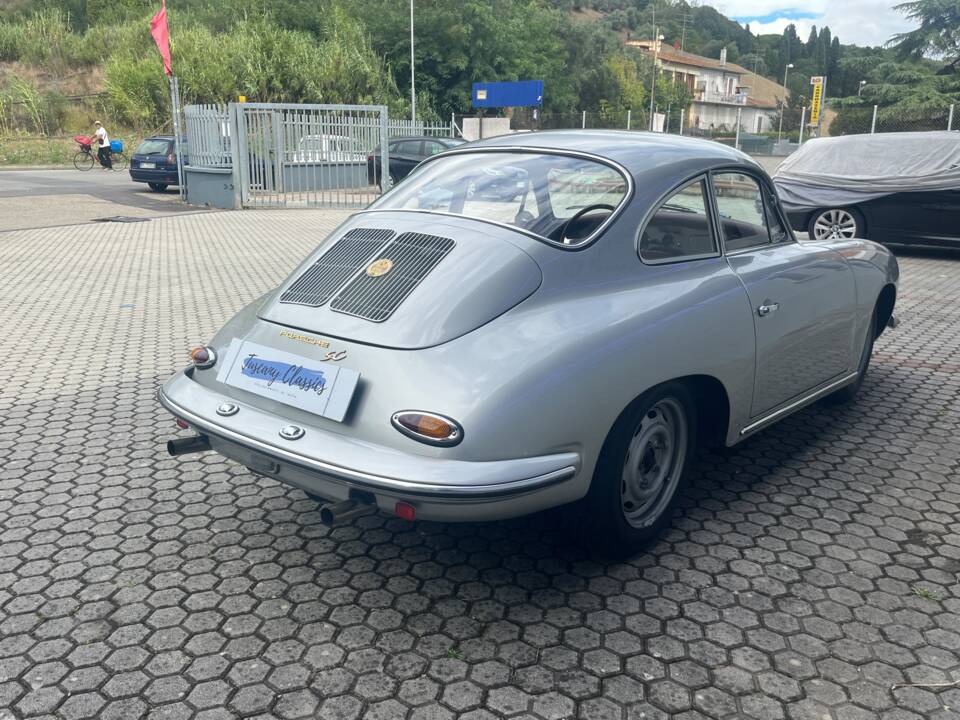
(487, 359)
(405, 154)
(155, 162)
(889, 187)
(328, 148)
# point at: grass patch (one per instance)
(925, 593)
(55, 151)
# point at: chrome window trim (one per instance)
(707, 196)
(529, 150)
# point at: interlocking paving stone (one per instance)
(807, 571)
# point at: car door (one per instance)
(408, 156)
(802, 295)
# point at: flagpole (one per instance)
(175, 107)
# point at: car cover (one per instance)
(837, 171)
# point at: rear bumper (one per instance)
(331, 465)
(166, 177)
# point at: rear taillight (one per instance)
(428, 428)
(171, 158)
(203, 357)
(369, 158)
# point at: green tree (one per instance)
(938, 34)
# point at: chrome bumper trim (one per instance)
(369, 481)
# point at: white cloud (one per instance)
(863, 22)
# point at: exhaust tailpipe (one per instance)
(185, 446)
(332, 513)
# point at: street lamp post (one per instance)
(653, 83)
(413, 84)
(783, 103)
(860, 89)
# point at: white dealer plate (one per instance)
(321, 388)
(148, 166)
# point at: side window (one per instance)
(740, 204)
(431, 147)
(680, 227)
(778, 233)
(410, 147)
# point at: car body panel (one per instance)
(536, 349)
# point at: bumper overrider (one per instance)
(339, 468)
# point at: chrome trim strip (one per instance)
(528, 150)
(367, 480)
(797, 403)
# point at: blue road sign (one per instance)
(522, 93)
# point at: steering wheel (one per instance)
(577, 215)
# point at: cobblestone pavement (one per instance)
(808, 572)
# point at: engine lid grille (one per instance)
(411, 257)
(337, 265)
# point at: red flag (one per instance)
(161, 36)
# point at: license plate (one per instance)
(321, 388)
(148, 166)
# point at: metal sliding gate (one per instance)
(294, 155)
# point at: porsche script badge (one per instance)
(379, 267)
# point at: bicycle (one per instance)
(85, 159)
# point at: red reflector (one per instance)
(406, 511)
(182, 424)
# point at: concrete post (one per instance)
(873, 125)
(736, 142)
(950, 119)
(583, 120)
(628, 118)
(803, 122)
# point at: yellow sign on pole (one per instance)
(817, 102)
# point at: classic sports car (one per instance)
(498, 356)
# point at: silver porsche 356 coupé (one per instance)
(464, 350)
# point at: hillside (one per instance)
(64, 61)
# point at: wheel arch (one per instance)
(886, 301)
(713, 407)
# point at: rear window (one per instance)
(155, 147)
(560, 198)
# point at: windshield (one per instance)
(560, 198)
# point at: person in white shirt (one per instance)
(103, 146)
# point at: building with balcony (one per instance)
(720, 89)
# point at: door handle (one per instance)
(767, 308)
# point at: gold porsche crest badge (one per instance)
(379, 267)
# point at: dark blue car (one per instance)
(155, 162)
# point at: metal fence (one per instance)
(208, 133)
(410, 128)
(296, 155)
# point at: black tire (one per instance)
(831, 223)
(622, 519)
(157, 187)
(392, 180)
(83, 161)
(848, 392)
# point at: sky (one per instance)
(860, 22)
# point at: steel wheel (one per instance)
(834, 224)
(654, 463)
(83, 161)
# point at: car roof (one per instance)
(168, 138)
(638, 152)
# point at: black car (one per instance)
(405, 154)
(899, 188)
(155, 162)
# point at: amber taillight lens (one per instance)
(203, 357)
(428, 427)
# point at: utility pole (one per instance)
(683, 30)
(413, 84)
